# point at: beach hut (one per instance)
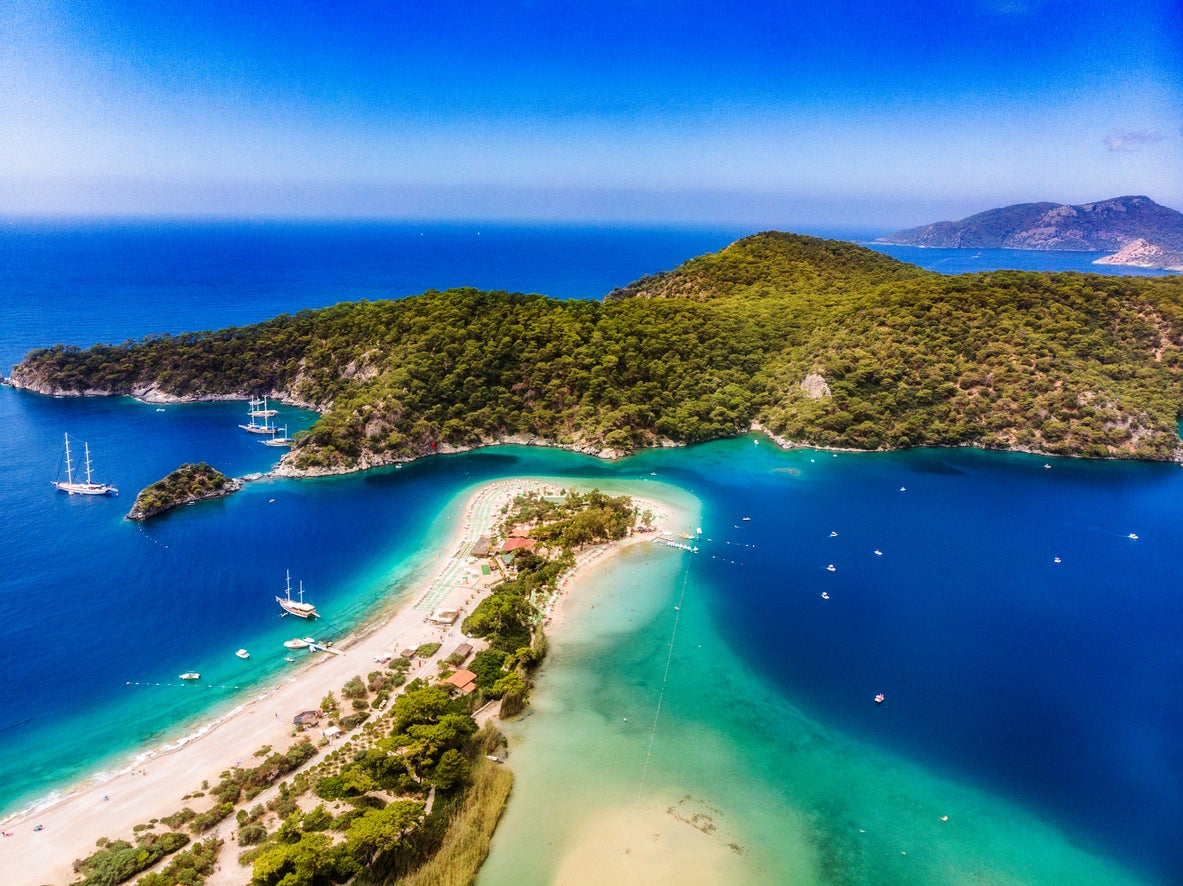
(444, 616)
(332, 732)
(483, 546)
(306, 718)
(408, 653)
(460, 654)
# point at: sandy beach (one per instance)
(68, 828)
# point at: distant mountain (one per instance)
(1107, 226)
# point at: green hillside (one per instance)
(891, 355)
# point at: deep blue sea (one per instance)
(1052, 684)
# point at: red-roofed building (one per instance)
(517, 543)
(463, 680)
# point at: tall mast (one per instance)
(69, 469)
(86, 449)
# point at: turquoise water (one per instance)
(1032, 702)
(1026, 700)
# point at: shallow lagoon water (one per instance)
(684, 762)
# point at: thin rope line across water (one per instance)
(664, 680)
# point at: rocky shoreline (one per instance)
(1141, 254)
(187, 485)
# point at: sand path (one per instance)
(154, 788)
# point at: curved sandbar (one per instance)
(154, 787)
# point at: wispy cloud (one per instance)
(1123, 142)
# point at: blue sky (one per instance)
(789, 114)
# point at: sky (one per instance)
(772, 114)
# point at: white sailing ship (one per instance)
(74, 487)
(296, 607)
(281, 438)
(259, 426)
(260, 409)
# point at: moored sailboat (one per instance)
(254, 427)
(89, 487)
(260, 409)
(281, 438)
(296, 607)
(258, 418)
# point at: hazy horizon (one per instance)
(772, 115)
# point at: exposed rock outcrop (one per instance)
(1140, 254)
(815, 387)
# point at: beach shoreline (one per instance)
(153, 784)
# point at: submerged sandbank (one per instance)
(646, 727)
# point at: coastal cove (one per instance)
(1025, 643)
(917, 622)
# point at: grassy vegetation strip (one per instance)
(118, 861)
(466, 844)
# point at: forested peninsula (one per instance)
(819, 342)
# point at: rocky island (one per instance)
(1137, 230)
(187, 484)
(818, 342)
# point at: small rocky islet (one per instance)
(187, 484)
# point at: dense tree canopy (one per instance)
(1059, 362)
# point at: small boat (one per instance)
(1055, 559)
(89, 487)
(879, 698)
(746, 519)
(288, 658)
(298, 643)
(1133, 536)
(325, 647)
(825, 596)
(878, 553)
(191, 675)
(281, 438)
(831, 568)
(903, 489)
(242, 653)
(293, 607)
(833, 534)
